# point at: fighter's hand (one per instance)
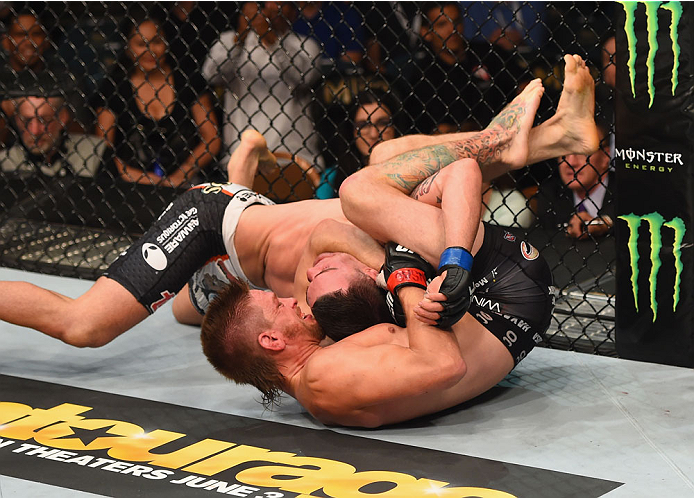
(403, 268)
(430, 307)
(456, 286)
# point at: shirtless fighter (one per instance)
(386, 373)
(264, 241)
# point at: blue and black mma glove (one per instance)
(403, 268)
(457, 286)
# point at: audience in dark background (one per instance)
(158, 121)
(579, 198)
(371, 121)
(266, 72)
(453, 81)
(433, 66)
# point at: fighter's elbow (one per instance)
(452, 372)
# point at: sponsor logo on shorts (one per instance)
(528, 251)
(165, 296)
(246, 195)
(484, 302)
(174, 234)
(519, 322)
(509, 236)
(484, 318)
(165, 210)
(489, 278)
(154, 256)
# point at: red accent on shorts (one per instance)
(411, 276)
(165, 296)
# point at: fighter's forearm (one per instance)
(441, 347)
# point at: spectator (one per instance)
(580, 200)
(371, 122)
(392, 34)
(468, 82)
(191, 28)
(338, 28)
(25, 42)
(26, 49)
(45, 148)
(510, 25)
(159, 121)
(267, 72)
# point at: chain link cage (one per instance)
(94, 147)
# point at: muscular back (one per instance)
(269, 240)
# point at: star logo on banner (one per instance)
(87, 436)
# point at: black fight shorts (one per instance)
(187, 234)
(514, 296)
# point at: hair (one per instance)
(346, 312)
(136, 16)
(229, 340)
(427, 7)
(351, 161)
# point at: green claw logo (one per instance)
(652, 9)
(655, 223)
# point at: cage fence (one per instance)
(111, 109)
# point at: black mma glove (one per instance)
(402, 268)
(457, 286)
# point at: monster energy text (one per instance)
(652, 9)
(655, 223)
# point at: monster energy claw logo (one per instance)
(655, 223)
(652, 9)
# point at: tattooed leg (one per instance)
(571, 130)
(502, 145)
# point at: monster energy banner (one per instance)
(655, 187)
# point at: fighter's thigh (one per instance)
(179, 242)
(102, 313)
(486, 358)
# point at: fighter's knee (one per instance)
(84, 335)
(380, 153)
(467, 169)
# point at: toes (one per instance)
(571, 64)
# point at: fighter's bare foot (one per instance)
(250, 155)
(513, 125)
(256, 142)
(575, 116)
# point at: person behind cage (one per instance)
(337, 27)
(27, 51)
(451, 78)
(372, 120)
(158, 121)
(391, 33)
(580, 198)
(266, 71)
(42, 114)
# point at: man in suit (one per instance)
(580, 198)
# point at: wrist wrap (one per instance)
(457, 256)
